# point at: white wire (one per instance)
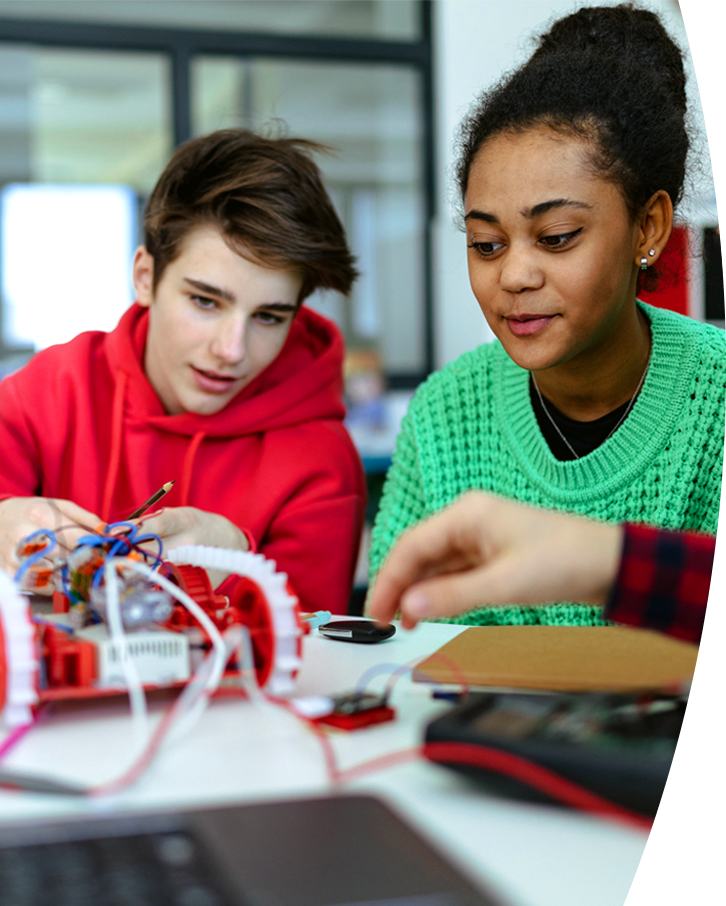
(209, 673)
(137, 696)
(191, 703)
(246, 662)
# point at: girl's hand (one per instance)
(485, 550)
(178, 526)
(21, 516)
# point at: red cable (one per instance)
(14, 737)
(529, 772)
(331, 763)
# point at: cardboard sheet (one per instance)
(561, 658)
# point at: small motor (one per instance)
(141, 605)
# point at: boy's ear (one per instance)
(655, 227)
(143, 275)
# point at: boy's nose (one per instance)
(229, 343)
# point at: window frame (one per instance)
(182, 45)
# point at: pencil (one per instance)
(164, 489)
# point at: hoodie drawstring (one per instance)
(117, 416)
(188, 467)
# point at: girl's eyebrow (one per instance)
(481, 215)
(531, 213)
(539, 209)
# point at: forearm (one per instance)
(663, 581)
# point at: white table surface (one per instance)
(531, 855)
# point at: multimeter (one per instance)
(357, 631)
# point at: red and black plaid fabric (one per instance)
(663, 581)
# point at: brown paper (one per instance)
(561, 658)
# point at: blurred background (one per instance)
(95, 95)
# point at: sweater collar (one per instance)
(616, 462)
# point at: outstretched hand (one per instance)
(178, 526)
(21, 516)
(485, 550)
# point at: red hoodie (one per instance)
(81, 422)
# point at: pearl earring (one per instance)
(651, 252)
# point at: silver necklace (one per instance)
(620, 420)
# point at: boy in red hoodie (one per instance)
(215, 377)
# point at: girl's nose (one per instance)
(520, 270)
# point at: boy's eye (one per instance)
(204, 302)
(561, 240)
(267, 317)
(485, 249)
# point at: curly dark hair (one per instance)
(611, 75)
(267, 197)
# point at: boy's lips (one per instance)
(213, 381)
(527, 325)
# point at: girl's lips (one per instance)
(212, 383)
(526, 326)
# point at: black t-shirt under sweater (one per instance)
(583, 436)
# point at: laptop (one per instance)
(334, 851)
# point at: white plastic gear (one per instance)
(21, 657)
(283, 606)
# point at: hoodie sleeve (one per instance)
(20, 472)
(314, 536)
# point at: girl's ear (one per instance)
(143, 276)
(655, 227)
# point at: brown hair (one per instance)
(266, 195)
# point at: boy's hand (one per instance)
(485, 550)
(177, 526)
(21, 516)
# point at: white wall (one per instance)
(475, 41)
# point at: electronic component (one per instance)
(141, 604)
(617, 746)
(158, 611)
(357, 631)
(355, 710)
(161, 658)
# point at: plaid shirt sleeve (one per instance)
(663, 581)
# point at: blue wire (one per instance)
(91, 541)
(38, 555)
(151, 537)
(41, 622)
(133, 530)
(118, 545)
(64, 580)
(122, 546)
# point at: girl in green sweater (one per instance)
(588, 401)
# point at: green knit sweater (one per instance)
(471, 425)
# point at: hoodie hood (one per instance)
(81, 422)
(303, 384)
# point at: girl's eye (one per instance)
(561, 240)
(485, 249)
